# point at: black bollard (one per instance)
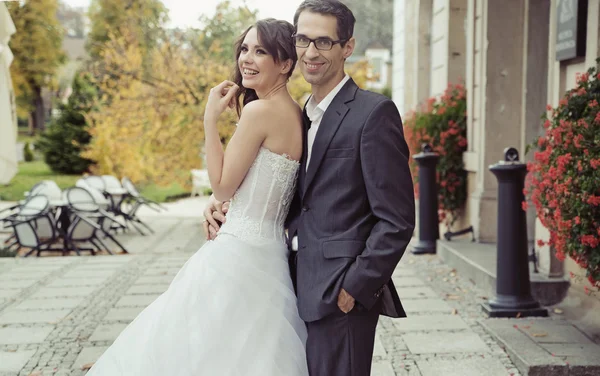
(429, 230)
(513, 287)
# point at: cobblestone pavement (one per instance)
(58, 314)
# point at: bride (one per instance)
(231, 309)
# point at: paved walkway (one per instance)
(58, 314)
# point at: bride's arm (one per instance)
(227, 169)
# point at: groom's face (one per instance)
(321, 67)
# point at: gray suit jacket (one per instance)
(354, 209)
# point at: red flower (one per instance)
(590, 240)
(582, 77)
(564, 160)
(547, 124)
(561, 181)
(441, 121)
(593, 200)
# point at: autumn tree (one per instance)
(220, 32)
(149, 123)
(300, 89)
(149, 127)
(37, 49)
(143, 19)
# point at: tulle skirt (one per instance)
(231, 310)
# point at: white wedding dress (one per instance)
(231, 310)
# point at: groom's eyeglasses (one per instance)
(323, 44)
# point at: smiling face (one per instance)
(258, 68)
(322, 69)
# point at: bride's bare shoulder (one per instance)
(255, 108)
(270, 112)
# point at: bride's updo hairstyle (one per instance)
(276, 38)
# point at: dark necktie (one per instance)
(306, 120)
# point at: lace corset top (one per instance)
(260, 205)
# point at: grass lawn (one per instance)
(23, 136)
(31, 173)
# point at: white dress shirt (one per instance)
(315, 112)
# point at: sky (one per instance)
(185, 13)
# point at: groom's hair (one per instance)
(344, 16)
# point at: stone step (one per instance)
(477, 261)
(547, 347)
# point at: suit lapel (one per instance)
(332, 119)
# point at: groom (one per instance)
(353, 213)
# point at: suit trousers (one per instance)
(342, 344)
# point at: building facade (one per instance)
(514, 57)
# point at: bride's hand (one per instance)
(219, 98)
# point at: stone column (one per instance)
(448, 44)
(421, 58)
(503, 91)
(399, 72)
(410, 41)
(534, 96)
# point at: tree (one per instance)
(149, 127)
(220, 32)
(67, 135)
(37, 48)
(300, 89)
(141, 18)
(374, 22)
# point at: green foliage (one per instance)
(387, 91)
(67, 135)
(219, 33)
(564, 175)
(442, 123)
(28, 175)
(27, 153)
(33, 172)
